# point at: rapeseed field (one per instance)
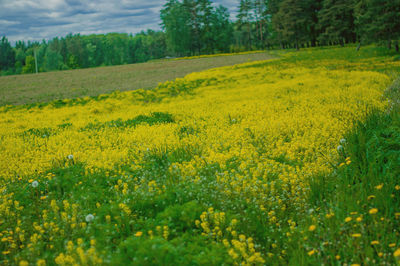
(234, 165)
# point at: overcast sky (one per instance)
(45, 19)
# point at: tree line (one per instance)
(195, 27)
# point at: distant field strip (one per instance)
(44, 87)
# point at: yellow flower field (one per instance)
(249, 137)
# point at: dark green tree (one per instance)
(7, 55)
(244, 22)
(378, 20)
(336, 21)
(175, 21)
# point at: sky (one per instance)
(35, 20)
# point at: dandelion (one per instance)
(397, 253)
(89, 218)
(392, 245)
(397, 187)
(70, 157)
(35, 184)
(343, 141)
(312, 228)
(357, 235)
(312, 252)
(337, 257)
(139, 234)
(348, 219)
(373, 211)
(375, 242)
(379, 187)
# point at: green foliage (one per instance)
(29, 65)
(378, 20)
(7, 55)
(154, 118)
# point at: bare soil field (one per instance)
(44, 87)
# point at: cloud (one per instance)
(35, 20)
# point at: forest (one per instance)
(195, 27)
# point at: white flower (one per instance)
(89, 218)
(35, 183)
(70, 157)
(343, 141)
(340, 148)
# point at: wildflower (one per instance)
(348, 219)
(139, 234)
(340, 148)
(397, 187)
(392, 245)
(379, 187)
(23, 263)
(357, 235)
(375, 242)
(310, 253)
(371, 197)
(89, 218)
(359, 219)
(41, 262)
(35, 184)
(312, 228)
(337, 257)
(343, 141)
(70, 157)
(329, 215)
(397, 253)
(373, 211)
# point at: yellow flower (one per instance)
(375, 242)
(357, 235)
(23, 263)
(337, 257)
(392, 245)
(379, 187)
(397, 187)
(312, 252)
(312, 228)
(41, 263)
(139, 234)
(371, 197)
(348, 219)
(359, 219)
(397, 253)
(373, 211)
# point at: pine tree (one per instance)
(245, 18)
(7, 55)
(378, 20)
(292, 22)
(336, 21)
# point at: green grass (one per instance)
(50, 86)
